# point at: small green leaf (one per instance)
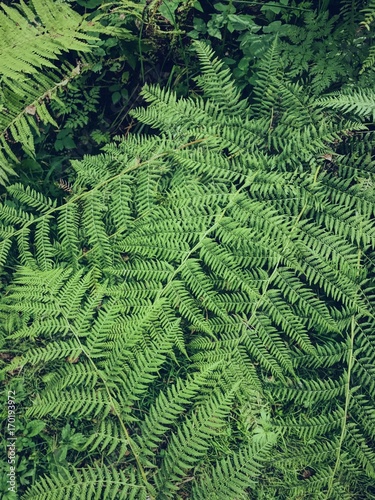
(198, 6)
(116, 97)
(34, 428)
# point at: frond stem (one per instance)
(115, 410)
(346, 406)
(351, 359)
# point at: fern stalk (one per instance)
(351, 359)
(148, 486)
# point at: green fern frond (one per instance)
(167, 409)
(369, 13)
(359, 101)
(189, 444)
(309, 427)
(33, 38)
(231, 478)
(266, 87)
(217, 83)
(43, 33)
(205, 287)
(369, 62)
(88, 483)
(108, 437)
(31, 198)
(68, 402)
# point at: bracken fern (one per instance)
(203, 300)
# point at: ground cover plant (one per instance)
(191, 315)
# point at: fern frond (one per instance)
(33, 38)
(188, 446)
(359, 101)
(31, 198)
(88, 483)
(108, 437)
(231, 478)
(69, 402)
(205, 287)
(369, 62)
(369, 13)
(266, 87)
(168, 408)
(217, 84)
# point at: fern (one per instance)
(96, 482)
(231, 477)
(34, 35)
(361, 102)
(203, 300)
(369, 13)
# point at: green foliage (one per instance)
(360, 101)
(324, 50)
(368, 25)
(202, 302)
(87, 484)
(35, 37)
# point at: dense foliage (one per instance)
(187, 304)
